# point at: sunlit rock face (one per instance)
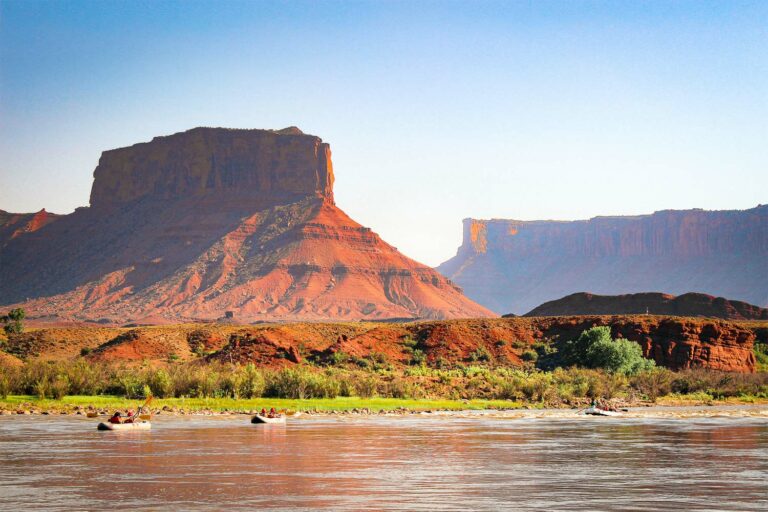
(192, 225)
(514, 266)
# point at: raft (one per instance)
(596, 411)
(263, 419)
(139, 425)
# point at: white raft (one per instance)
(596, 411)
(138, 425)
(264, 419)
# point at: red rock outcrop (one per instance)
(674, 342)
(689, 304)
(195, 224)
(513, 266)
(677, 343)
(13, 225)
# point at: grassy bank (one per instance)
(111, 403)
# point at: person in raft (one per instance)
(130, 418)
(272, 413)
(116, 418)
(263, 412)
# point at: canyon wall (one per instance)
(513, 266)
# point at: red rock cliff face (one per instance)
(512, 266)
(199, 223)
(281, 165)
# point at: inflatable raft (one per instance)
(138, 425)
(264, 419)
(596, 411)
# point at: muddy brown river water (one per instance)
(425, 462)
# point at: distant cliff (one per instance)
(513, 266)
(208, 221)
(689, 304)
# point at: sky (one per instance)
(435, 111)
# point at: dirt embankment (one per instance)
(674, 342)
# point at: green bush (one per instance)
(595, 348)
(529, 355)
(14, 321)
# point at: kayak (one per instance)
(264, 419)
(595, 411)
(139, 425)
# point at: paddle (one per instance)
(141, 408)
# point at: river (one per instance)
(421, 462)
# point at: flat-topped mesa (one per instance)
(278, 165)
(685, 233)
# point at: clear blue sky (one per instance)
(435, 111)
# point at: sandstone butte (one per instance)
(689, 304)
(513, 266)
(674, 342)
(192, 225)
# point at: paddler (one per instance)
(116, 418)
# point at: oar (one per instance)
(139, 414)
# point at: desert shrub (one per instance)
(339, 358)
(529, 355)
(85, 378)
(653, 383)
(59, 387)
(346, 386)
(481, 354)
(720, 384)
(251, 384)
(401, 388)
(418, 357)
(301, 383)
(160, 383)
(6, 385)
(85, 351)
(366, 387)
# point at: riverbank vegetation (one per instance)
(560, 387)
(591, 366)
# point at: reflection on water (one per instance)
(388, 464)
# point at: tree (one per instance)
(595, 348)
(14, 321)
